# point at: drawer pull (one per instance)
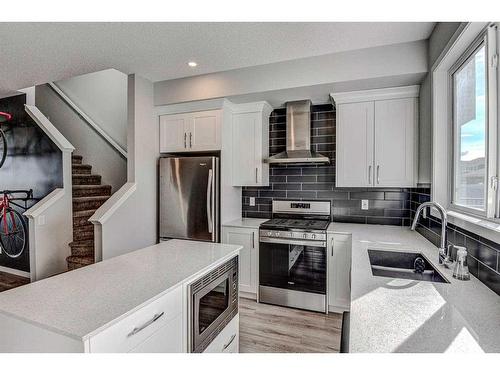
(148, 323)
(230, 341)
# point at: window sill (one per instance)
(485, 228)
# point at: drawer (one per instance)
(228, 340)
(131, 331)
(167, 339)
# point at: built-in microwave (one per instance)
(213, 303)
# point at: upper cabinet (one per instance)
(377, 137)
(250, 141)
(193, 131)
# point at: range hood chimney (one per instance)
(298, 136)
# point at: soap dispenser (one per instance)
(461, 270)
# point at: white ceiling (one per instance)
(35, 53)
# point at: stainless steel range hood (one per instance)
(298, 136)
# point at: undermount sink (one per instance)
(401, 265)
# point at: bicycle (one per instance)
(13, 231)
(4, 117)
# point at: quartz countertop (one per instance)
(245, 223)
(399, 315)
(83, 302)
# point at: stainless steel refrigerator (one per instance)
(189, 198)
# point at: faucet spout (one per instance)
(443, 256)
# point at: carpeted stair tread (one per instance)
(79, 261)
(76, 159)
(86, 179)
(87, 203)
(91, 190)
(81, 169)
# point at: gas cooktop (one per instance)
(303, 224)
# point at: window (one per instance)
(470, 132)
(474, 129)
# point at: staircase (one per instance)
(88, 196)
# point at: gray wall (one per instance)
(437, 42)
(95, 98)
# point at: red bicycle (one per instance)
(13, 232)
(4, 117)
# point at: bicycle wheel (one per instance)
(3, 147)
(13, 233)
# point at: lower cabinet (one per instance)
(248, 261)
(228, 341)
(339, 271)
(156, 327)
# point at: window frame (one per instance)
(492, 198)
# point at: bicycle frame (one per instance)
(4, 206)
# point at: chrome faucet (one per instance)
(443, 254)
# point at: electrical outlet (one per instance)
(364, 204)
(252, 201)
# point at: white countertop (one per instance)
(397, 315)
(248, 222)
(84, 301)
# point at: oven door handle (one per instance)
(293, 242)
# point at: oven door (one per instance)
(293, 265)
(211, 306)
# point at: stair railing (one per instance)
(98, 129)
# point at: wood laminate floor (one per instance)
(9, 281)
(274, 329)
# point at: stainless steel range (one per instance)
(292, 255)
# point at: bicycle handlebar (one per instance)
(29, 193)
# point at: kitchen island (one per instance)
(115, 305)
(401, 315)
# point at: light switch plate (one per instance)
(252, 201)
(364, 204)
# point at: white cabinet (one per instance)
(228, 340)
(194, 131)
(155, 327)
(339, 271)
(377, 137)
(355, 144)
(250, 138)
(248, 260)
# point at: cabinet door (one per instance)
(355, 145)
(248, 238)
(395, 136)
(204, 131)
(245, 160)
(339, 271)
(173, 137)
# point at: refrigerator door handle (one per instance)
(209, 203)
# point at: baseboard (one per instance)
(15, 272)
(248, 295)
(338, 309)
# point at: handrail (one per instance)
(88, 120)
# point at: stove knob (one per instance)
(313, 236)
(277, 234)
(304, 236)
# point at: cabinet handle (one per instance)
(256, 175)
(190, 140)
(378, 170)
(229, 342)
(332, 246)
(369, 175)
(148, 323)
(185, 140)
(253, 240)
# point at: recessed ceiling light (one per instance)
(193, 64)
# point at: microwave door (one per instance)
(186, 198)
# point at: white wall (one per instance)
(128, 221)
(105, 160)
(437, 42)
(370, 63)
(103, 97)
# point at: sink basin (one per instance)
(401, 265)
